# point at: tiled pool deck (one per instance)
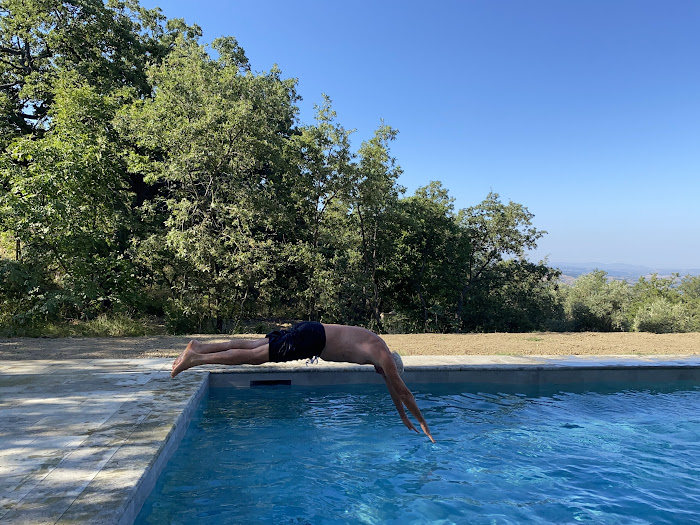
(83, 441)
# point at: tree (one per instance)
(428, 252)
(66, 201)
(646, 291)
(665, 304)
(108, 44)
(143, 172)
(314, 190)
(494, 231)
(526, 299)
(372, 203)
(213, 133)
(662, 316)
(65, 69)
(689, 289)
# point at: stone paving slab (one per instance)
(83, 441)
(77, 437)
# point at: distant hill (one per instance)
(618, 271)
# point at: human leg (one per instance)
(190, 357)
(208, 348)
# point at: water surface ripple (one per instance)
(328, 455)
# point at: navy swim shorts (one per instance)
(302, 341)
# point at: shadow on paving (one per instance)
(77, 437)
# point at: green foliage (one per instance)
(313, 219)
(26, 296)
(214, 132)
(66, 202)
(65, 199)
(595, 303)
(689, 288)
(372, 204)
(108, 44)
(661, 317)
(113, 325)
(424, 264)
(143, 174)
(649, 290)
(491, 233)
(665, 305)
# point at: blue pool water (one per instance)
(341, 455)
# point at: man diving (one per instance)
(308, 340)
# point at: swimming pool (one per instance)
(301, 455)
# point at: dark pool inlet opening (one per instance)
(271, 383)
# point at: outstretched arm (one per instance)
(396, 398)
(401, 395)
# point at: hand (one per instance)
(426, 430)
(408, 423)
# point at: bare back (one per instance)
(353, 344)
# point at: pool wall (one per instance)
(535, 372)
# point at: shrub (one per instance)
(595, 303)
(662, 317)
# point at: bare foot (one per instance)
(185, 360)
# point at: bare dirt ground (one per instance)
(587, 343)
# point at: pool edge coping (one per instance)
(148, 480)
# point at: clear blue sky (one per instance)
(585, 111)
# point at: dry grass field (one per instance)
(587, 343)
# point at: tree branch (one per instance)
(11, 51)
(29, 117)
(14, 66)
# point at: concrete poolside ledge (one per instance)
(83, 441)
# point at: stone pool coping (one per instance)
(83, 441)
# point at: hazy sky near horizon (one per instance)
(586, 112)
